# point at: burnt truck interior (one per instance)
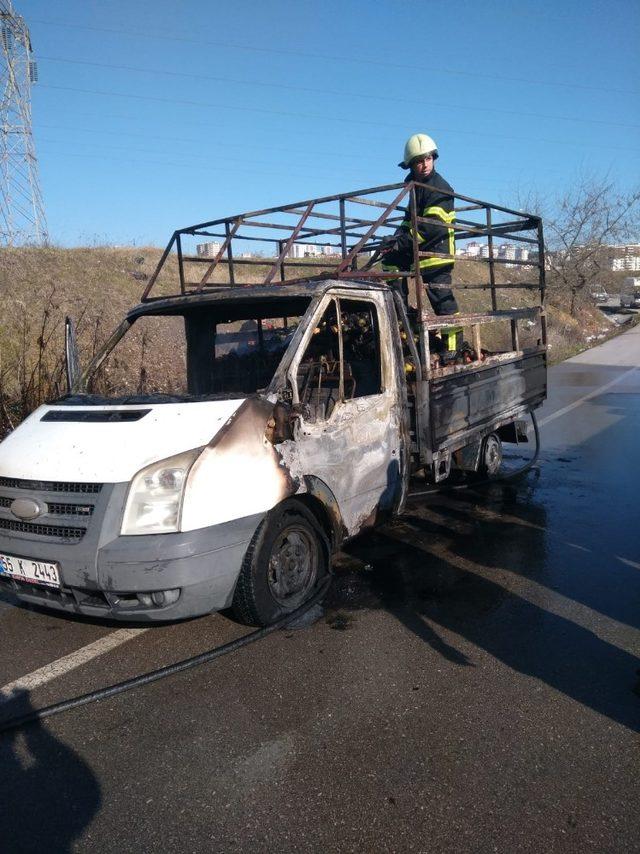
(239, 312)
(224, 349)
(342, 359)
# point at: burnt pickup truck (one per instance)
(230, 436)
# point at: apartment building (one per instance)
(626, 257)
(304, 250)
(208, 250)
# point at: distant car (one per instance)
(600, 296)
(630, 292)
(629, 301)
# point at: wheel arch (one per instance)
(321, 501)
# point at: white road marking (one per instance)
(586, 397)
(69, 662)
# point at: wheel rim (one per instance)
(492, 455)
(293, 566)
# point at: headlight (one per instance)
(155, 496)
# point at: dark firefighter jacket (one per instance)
(435, 205)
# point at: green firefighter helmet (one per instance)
(418, 145)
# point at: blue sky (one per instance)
(151, 115)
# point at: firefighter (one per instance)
(420, 154)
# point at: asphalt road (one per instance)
(472, 687)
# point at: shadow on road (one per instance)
(48, 794)
(513, 533)
(479, 567)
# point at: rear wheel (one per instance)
(490, 456)
(283, 564)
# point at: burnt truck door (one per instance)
(348, 403)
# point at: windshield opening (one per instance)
(205, 352)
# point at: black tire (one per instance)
(286, 559)
(490, 456)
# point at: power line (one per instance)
(469, 163)
(330, 118)
(189, 162)
(208, 157)
(341, 93)
(338, 57)
(198, 141)
(360, 177)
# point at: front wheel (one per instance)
(286, 559)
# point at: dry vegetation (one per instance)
(39, 287)
(567, 334)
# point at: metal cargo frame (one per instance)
(354, 236)
(345, 226)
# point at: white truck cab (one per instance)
(148, 505)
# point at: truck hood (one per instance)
(107, 444)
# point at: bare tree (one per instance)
(581, 226)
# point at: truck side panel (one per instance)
(466, 404)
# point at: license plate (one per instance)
(31, 571)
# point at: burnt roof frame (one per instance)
(355, 235)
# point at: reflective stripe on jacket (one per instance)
(432, 237)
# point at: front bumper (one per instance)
(114, 577)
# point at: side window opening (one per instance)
(247, 353)
(361, 347)
(318, 376)
(342, 360)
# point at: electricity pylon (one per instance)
(22, 218)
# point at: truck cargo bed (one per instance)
(470, 402)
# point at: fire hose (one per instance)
(169, 670)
